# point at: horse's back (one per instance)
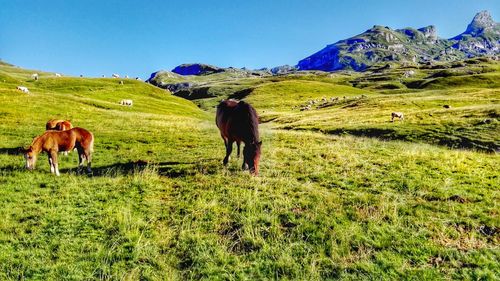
(83, 135)
(64, 125)
(237, 120)
(58, 124)
(73, 136)
(51, 124)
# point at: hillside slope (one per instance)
(160, 205)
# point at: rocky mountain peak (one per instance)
(429, 32)
(481, 22)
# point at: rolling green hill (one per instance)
(328, 203)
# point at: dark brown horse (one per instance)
(53, 142)
(238, 122)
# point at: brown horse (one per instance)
(53, 142)
(238, 122)
(59, 125)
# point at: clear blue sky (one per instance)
(94, 37)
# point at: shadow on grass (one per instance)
(436, 138)
(172, 169)
(12, 168)
(11, 150)
(239, 95)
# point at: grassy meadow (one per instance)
(342, 193)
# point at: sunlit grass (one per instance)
(161, 206)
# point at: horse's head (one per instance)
(251, 154)
(30, 157)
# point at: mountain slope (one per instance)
(407, 45)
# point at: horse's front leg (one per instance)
(229, 149)
(53, 159)
(238, 144)
(51, 164)
(245, 163)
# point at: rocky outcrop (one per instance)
(283, 69)
(197, 69)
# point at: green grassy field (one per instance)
(330, 203)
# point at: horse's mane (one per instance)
(36, 139)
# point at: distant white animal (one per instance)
(138, 79)
(34, 76)
(126, 76)
(23, 89)
(307, 107)
(114, 75)
(58, 75)
(126, 102)
(397, 115)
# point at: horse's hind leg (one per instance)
(81, 158)
(229, 149)
(51, 164)
(88, 155)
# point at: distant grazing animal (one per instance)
(447, 106)
(114, 75)
(121, 82)
(34, 76)
(238, 122)
(397, 115)
(138, 79)
(307, 107)
(53, 142)
(126, 76)
(57, 75)
(23, 89)
(126, 102)
(59, 125)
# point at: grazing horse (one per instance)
(399, 115)
(59, 125)
(53, 142)
(238, 122)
